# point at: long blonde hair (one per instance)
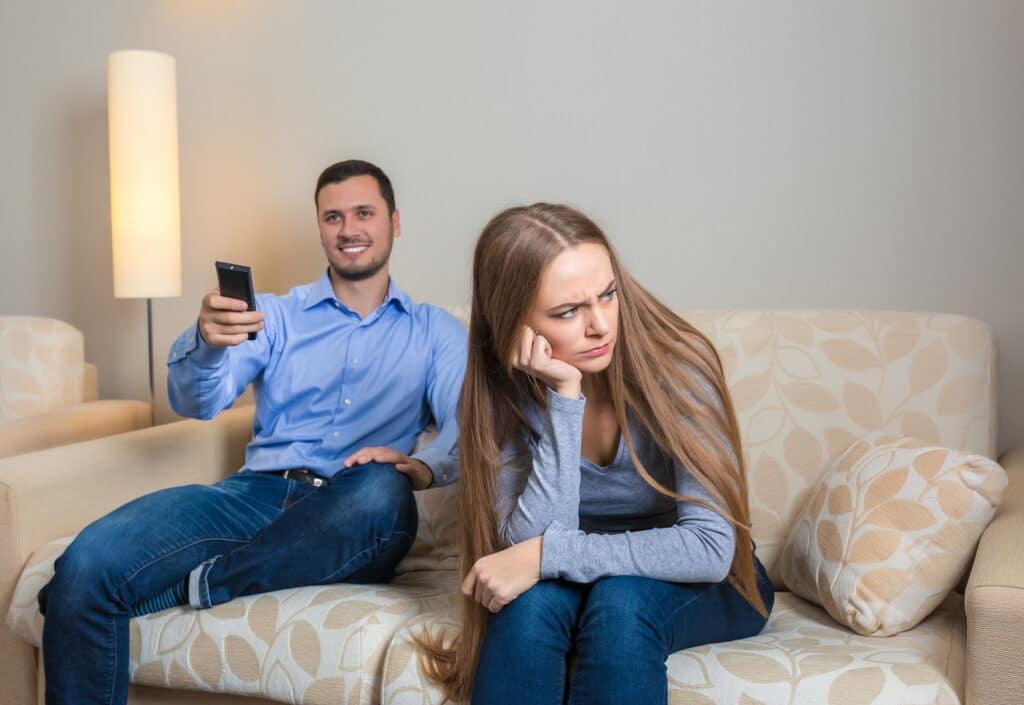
(689, 414)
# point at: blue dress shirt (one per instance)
(328, 382)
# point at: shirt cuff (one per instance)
(191, 345)
(557, 550)
(442, 465)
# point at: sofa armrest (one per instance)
(55, 492)
(994, 600)
(90, 383)
(72, 424)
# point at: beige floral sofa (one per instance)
(806, 385)
(48, 393)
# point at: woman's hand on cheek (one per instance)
(532, 355)
(497, 579)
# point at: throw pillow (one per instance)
(889, 530)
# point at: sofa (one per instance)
(48, 393)
(806, 385)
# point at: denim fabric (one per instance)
(253, 532)
(620, 631)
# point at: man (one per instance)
(347, 371)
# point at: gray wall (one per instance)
(802, 154)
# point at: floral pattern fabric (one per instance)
(889, 530)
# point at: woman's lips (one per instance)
(597, 351)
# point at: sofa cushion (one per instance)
(322, 644)
(806, 384)
(436, 544)
(802, 657)
(889, 530)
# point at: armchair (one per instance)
(48, 393)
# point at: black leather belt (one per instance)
(303, 475)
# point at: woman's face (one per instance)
(577, 307)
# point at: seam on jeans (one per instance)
(686, 604)
(672, 616)
(284, 503)
(113, 676)
(379, 547)
(159, 558)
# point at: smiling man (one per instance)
(346, 371)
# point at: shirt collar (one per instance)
(321, 290)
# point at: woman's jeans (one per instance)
(252, 532)
(621, 630)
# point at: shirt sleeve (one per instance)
(202, 381)
(697, 549)
(444, 384)
(548, 492)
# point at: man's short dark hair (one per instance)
(336, 173)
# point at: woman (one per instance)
(604, 504)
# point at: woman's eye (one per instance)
(568, 313)
(608, 295)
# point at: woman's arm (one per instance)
(546, 493)
(698, 548)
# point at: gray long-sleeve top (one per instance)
(602, 521)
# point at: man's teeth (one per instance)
(355, 248)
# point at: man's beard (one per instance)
(356, 275)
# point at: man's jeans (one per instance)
(252, 533)
(621, 630)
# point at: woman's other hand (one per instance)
(497, 579)
(532, 355)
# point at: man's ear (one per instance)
(396, 224)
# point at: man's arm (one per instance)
(444, 384)
(204, 378)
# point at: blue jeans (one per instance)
(252, 532)
(620, 629)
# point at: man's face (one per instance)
(355, 228)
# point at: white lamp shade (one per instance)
(144, 202)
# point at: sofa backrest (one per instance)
(41, 365)
(806, 384)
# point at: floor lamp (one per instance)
(142, 116)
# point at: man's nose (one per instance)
(348, 228)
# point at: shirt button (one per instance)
(335, 434)
(347, 402)
(355, 360)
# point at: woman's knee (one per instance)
(625, 612)
(548, 606)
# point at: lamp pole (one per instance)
(149, 330)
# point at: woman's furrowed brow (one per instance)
(577, 304)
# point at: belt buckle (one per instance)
(306, 476)
(311, 478)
